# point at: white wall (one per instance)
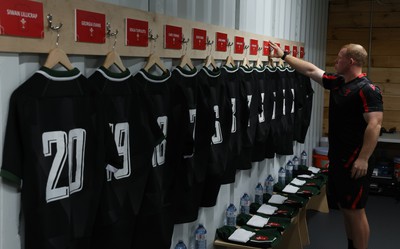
(298, 20)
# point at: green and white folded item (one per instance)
(241, 235)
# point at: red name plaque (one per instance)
(90, 26)
(253, 46)
(266, 48)
(294, 52)
(222, 40)
(21, 18)
(199, 39)
(287, 48)
(173, 37)
(137, 33)
(302, 52)
(239, 44)
(277, 44)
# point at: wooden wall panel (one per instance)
(362, 6)
(350, 22)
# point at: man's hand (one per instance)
(278, 52)
(359, 169)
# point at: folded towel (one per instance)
(277, 199)
(266, 209)
(257, 221)
(297, 182)
(314, 169)
(241, 235)
(290, 189)
(305, 176)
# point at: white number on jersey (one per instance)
(217, 137)
(274, 107)
(71, 147)
(192, 117)
(261, 116)
(292, 111)
(284, 102)
(234, 127)
(159, 151)
(121, 138)
(249, 98)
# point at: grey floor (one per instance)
(326, 231)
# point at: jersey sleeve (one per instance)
(372, 98)
(13, 147)
(331, 80)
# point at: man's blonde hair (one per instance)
(357, 52)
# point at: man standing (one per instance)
(355, 118)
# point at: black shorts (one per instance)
(345, 191)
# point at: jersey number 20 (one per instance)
(69, 146)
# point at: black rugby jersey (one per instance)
(303, 99)
(136, 132)
(283, 114)
(347, 104)
(240, 116)
(264, 117)
(169, 108)
(218, 100)
(57, 144)
(254, 109)
(187, 190)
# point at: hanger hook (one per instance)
(153, 40)
(109, 33)
(229, 45)
(50, 22)
(184, 41)
(152, 37)
(112, 34)
(258, 51)
(209, 42)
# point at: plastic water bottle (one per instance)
(245, 204)
(231, 215)
(296, 162)
(258, 197)
(289, 171)
(269, 184)
(201, 237)
(180, 245)
(282, 176)
(303, 160)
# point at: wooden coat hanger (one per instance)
(270, 62)
(210, 62)
(230, 61)
(281, 63)
(113, 58)
(185, 59)
(246, 62)
(154, 60)
(57, 55)
(259, 63)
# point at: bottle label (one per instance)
(200, 236)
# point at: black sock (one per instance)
(350, 244)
